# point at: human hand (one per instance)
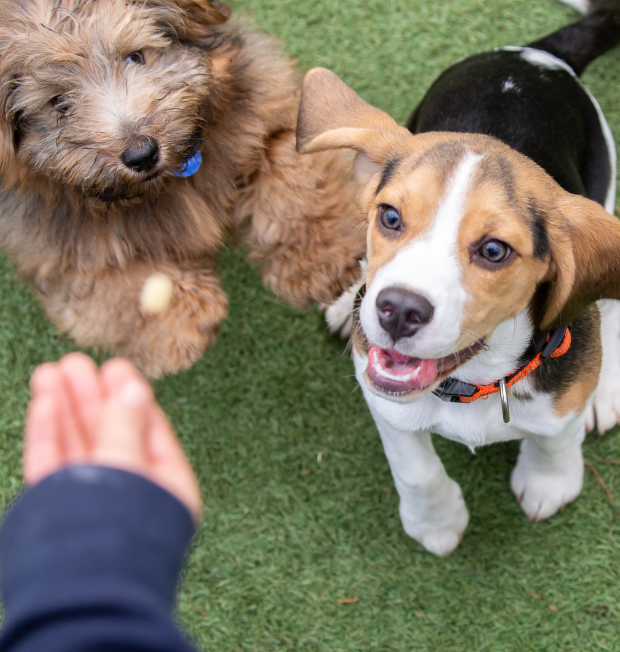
(79, 414)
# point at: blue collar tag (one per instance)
(190, 166)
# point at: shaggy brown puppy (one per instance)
(101, 104)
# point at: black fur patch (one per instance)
(557, 376)
(539, 230)
(388, 173)
(497, 168)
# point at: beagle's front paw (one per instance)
(604, 409)
(543, 489)
(339, 315)
(441, 529)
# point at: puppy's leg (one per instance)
(605, 406)
(549, 471)
(432, 508)
(103, 309)
(339, 315)
(306, 230)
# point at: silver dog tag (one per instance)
(503, 395)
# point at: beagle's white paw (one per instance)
(604, 409)
(339, 315)
(543, 492)
(442, 530)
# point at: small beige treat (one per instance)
(156, 294)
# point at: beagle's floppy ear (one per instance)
(585, 254)
(333, 116)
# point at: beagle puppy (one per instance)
(490, 240)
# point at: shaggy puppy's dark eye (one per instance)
(135, 57)
(390, 217)
(494, 251)
(58, 102)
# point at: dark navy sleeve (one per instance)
(89, 562)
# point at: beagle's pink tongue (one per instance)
(394, 372)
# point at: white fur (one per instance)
(430, 267)
(543, 59)
(339, 315)
(549, 471)
(604, 410)
(579, 5)
(509, 85)
(432, 509)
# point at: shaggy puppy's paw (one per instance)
(177, 337)
(320, 277)
(604, 409)
(441, 529)
(542, 492)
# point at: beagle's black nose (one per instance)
(402, 312)
(141, 155)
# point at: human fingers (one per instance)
(169, 466)
(43, 453)
(48, 380)
(85, 389)
(166, 462)
(44, 377)
(120, 440)
(115, 373)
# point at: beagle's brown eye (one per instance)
(390, 217)
(135, 57)
(494, 251)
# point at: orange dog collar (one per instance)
(456, 391)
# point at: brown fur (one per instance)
(88, 231)
(566, 247)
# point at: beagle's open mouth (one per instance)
(393, 373)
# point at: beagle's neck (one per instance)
(503, 353)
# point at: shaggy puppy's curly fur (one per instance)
(101, 102)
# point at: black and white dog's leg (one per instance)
(604, 409)
(339, 315)
(432, 509)
(549, 471)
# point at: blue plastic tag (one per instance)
(190, 166)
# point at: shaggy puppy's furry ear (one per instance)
(205, 12)
(7, 135)
(6, 145)
(585, 258)
(333, 116)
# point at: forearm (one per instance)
(89, 560)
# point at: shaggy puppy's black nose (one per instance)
(402, 312)
(141, 155)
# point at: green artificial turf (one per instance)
(286, 536)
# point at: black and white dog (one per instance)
(485, 260)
